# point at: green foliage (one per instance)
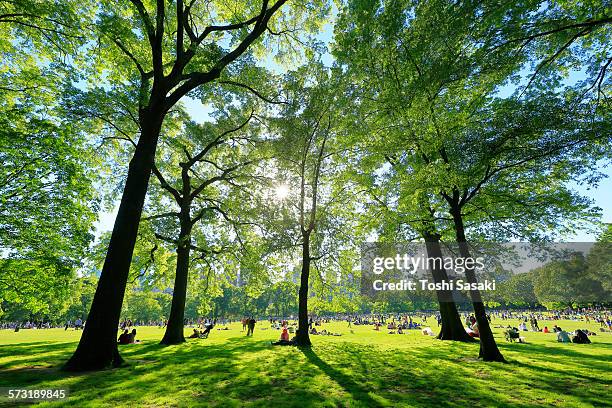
(47, 198)
(599, 260)
(430, 107)
(575, 279)
(437, 127)
(145, 306)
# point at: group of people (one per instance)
(127, 337)
(248, 324)
(401, 326)
(403, 320)
(206, 328)
(598, 315)
(78, 324)
(578, 336)
(284, 338)
(323, 332)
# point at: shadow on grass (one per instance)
(344, 380)
(195, 373)
(247, 372)
(565, 352)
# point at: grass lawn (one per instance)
(361, 368)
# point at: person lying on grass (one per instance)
(323, 332)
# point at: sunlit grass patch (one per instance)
(362, 367)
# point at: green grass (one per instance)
(361, 368)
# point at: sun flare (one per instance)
(281, 191)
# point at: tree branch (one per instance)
(165, 185)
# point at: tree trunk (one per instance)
(175, 329)
(452, 327)
(488, 347)
(97, 348)
(302, 337)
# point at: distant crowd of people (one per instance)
(598, 315)
(395, 323)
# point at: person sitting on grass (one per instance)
(124, 338)
(285, 334)
(512, 334)
(545, 330)
(133, 337)
(287, 342)
(207, 328)
(427, 331)
(314, 331)
(400, 331)
(522, 326)
(563, 336)
(195, 334)
(580, 337)
(473, 331)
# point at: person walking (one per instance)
(250, 326)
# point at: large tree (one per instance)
(426, 52)
(202, 176)
(160, 52)
(317, 197)
(431, 78)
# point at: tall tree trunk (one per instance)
(97, 348)
(452, 327)
(175, 329)
(488, 347)
(303, 337)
